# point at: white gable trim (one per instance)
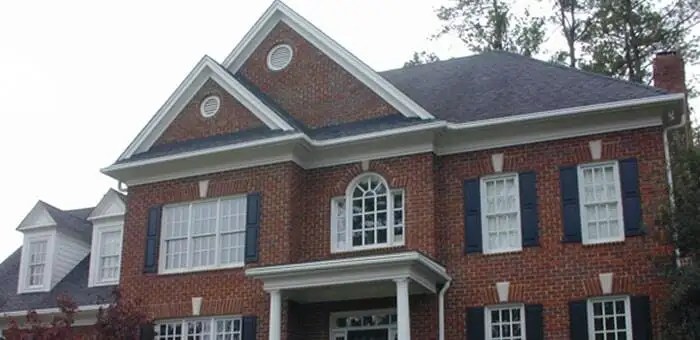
(206, 69)
(111, 205)
(277, 12)
(38, 217)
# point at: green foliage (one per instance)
(420, 58)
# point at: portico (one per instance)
(396, 275)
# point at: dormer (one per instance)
(55, 241)
(107, 229)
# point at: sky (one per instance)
(79, 79)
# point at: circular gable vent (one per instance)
(279, 57)
(210, 106)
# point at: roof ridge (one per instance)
(575, 69)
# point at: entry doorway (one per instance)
(364, 325)
(372, 334)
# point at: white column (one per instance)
(403, 312)
(275, 315)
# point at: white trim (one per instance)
(487, 318)
(50, 238)
(484, 226)
(582, 209)
(206, 69)
(48, 311)
(210, 319)
(279, 12)
(213, 113)
(334, 330)
(110, 206)
(37, 218)
(274, 68)
(96, 249)
(628, 314)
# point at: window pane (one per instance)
(204, 218)
(506, 323)
(37, 262)
(610, 318)
(232, 213)
(502, 214)
(600, 202)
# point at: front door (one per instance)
(373, 334)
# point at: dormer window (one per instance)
(37, 263)
(370, 215)
(107, 229)
(35, 266)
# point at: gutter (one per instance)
(669, 172)
(48, 311)
(441, 309)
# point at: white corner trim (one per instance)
(596, 147)
(497, 162)
(196, 305)
(49, 311)
(203, 188)
(606, 283)
(365, 164)
(277, 12)
(205, 69)
(503, 290)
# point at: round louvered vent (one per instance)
(279, 57)
(210, 106)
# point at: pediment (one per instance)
(112, 204)
(38, 217)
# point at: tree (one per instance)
(120, 320)
(681, 219)
(490, 25)
(573, 18)
(420, 58)
(623, 35)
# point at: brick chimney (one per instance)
(669, 72)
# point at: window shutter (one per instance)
(147, 332)
(578, 320)
(475, 323)
(571, 213)
(472, 216)
(252, 228)
(534, 323)
(641, 318)
(631, 202)
(528, 209)
(152, 239)
(250, 327)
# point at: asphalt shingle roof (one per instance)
(501, 84)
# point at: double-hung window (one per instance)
(224, 328)
(609, 318)
(505, 322)
(36, 273)
(601, 207)
(370, 215)
(109, 255)
(500, 209)
(203, 235)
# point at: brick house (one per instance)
(292, 192)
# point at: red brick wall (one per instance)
(295, 226)
(190, 124)
(313, 88)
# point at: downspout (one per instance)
(669, 170)
(441, 310)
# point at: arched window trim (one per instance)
(342, 218)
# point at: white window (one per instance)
(373, 218)
(600, 200)
(372, 324)
(109, 256)
(505, 322)
(609, 318)
(37, 263)
(500, 214)
(226, 328)
(203, 235)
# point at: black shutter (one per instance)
(152, 239)
(250, 327)
(641, 318)
(578, 320)
(147, 332)
(631, 202)
(252, 228)
(534, 323)
(528, 209)
(472, 216)
(571, 213)
(475, 323)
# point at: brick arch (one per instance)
(353, 172)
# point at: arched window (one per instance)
(370, 215)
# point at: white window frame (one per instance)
(582, 209)
(217, 256)
(347, 199)
(518, 218)
(95, 264)
(487, 319)
(183, 324)
(628, 314)
(50, 239)
(336, 332)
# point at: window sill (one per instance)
(28, 290)
(502, 252)
(365, 248)
(602, 242)
(201, 269)
(104, 283)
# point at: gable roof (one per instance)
(205, 69)
(279, 12)
(46, 215)
(112, 204)
(500, 84)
